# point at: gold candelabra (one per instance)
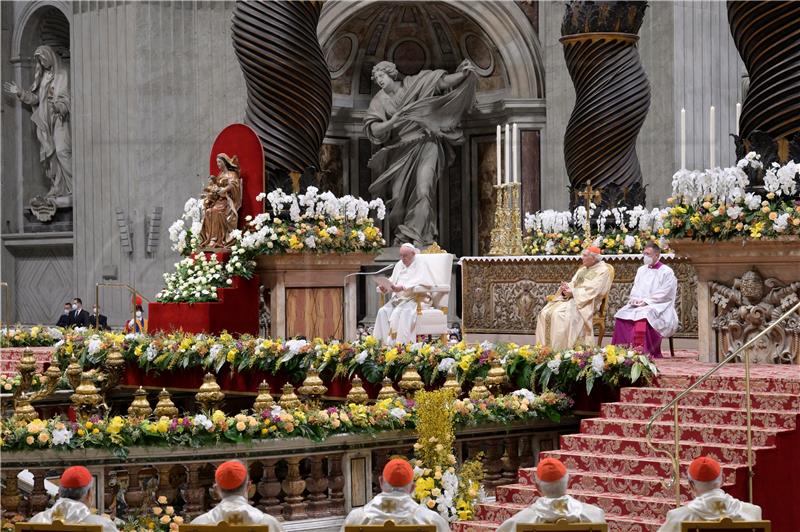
(507, 230)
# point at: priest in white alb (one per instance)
(567, 317)
(395, 321)
(554, 504)
(650, 313)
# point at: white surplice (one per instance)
(396, 506)
(396, 320)
(657, 288)
(237, 511)
(711, 506)
(71, 512)
(547, 510)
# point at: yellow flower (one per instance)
(81, 432)
(95, 431)
(89, 424)
(115, 425)
(29, 440)
(164, 519)
(157, 510)
(138, 351)
(391, 354)
(218, 416)
(162, 499)
(162, 425)
(241, 426)
(177, 519)
(169, 510)
(231, 355)
(294, 242)
(43, 437)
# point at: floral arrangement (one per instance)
(622, 230)
(525, 365)
(185, 232)
(722, 203)
(118, 433)
(161, 518)
(36, 336)
(10, 383)
(196, 279)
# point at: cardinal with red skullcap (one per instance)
(394, 503)
(710, 502)
(75, 495)
(554, 503)
(567, 317)
(231, 482)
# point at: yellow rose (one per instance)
(29, 440)
(43, 437)
(157, 510)
(177, 519)
(165, 519)
(391, 354)
(162, 425)
(240, 426)
(162, 499)
(169, 510)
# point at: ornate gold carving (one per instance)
(209, 395)
(313, 388)
(410, 382)
(357, 393)
(507, 231)
(165, 406)
(140, 406)
(387, 390)
(264, 400)
(86, 399)
(452, 383)
(479, 390)
(433, 249)
(73, 372)
(496, 377)
(289, 400)
(23, 409)
(747, 308)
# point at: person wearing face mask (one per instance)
(78, 316)
(138, 325)
(98, 320)
(650, 313)
(65, 320)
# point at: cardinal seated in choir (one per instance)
(567, 317)
(396, 319)
(394, 503)
(231, 483)
(650, 312)
(554, 504)
(710, 502)
(75, 494)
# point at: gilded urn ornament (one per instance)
(23, 410)
(26, 368)
(289, 400)
(313, 388)
(357, 393)
(87, 398)
(497, 376)
(264, 400)
(73, 372)
(115, 364)
(387, 390)
(452, 383)
(140, 406)
(165, 406)
(479, 390)
(410, 382)
(209, 395)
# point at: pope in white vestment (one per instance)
(710, 503)
(567, 318)
(554, 504)
(650, 313)
(395, 321)
(76, 491)
(231, 484)
(395, 502)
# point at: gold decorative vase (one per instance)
(357, 393)
(264, 400)
(165, 407)
(452, 383)
(410, 382)
(497, 376)
(209, 395)
(387, 390)
(140, 406)
(313, 388)
(289, 400)
(479, 390)
(86, 399)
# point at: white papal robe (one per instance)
(395, 321)
(655, 285)
(398, 507)
(71, 512)
(237, 511)
(711, 506)
(547, 510)
(563, 322)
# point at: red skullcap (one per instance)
(704, 469)
(137, 300)
(76, 477)
(230, 475)
(398, 473)
(595, 249)
(550, 470)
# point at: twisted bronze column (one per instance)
(766, 36)
(288, 83)
(612, 98)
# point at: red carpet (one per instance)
(612, 467)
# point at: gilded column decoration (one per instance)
(288, 83)
(765, 34)
(612, 96)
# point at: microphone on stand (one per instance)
(344, 287)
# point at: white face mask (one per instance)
(647, 260)
(74, 306)
(66, 311)
(138, 313)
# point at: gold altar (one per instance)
(503, 295)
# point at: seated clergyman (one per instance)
(554, 504)
(76, 493)
(231, 482)
(650, 312)
(394, 503)
(710, 502)
(396, 319)
(567, 318)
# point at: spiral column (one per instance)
(766, 34)
(612, 98)
(288, 83)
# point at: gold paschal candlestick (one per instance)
(499, 243)
(514, 224)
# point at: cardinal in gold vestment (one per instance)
(567, 317)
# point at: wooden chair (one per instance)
(222, 526)
(562, 526)
(599, 319)
(389, 526)
(56, 526)
(726, 525)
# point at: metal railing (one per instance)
(673, 404)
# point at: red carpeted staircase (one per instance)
(611, 465)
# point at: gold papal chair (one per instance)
(222, 526)
(562, 526)
(599, 319)
(726, 525)
(389, 526)
(56, 526)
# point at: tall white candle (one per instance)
(508, 153)
(711, 135)
(499, 155)
(515, 153)
(738, 115)
(683, 139)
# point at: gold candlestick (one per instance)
(499, 243)
(515, 226)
